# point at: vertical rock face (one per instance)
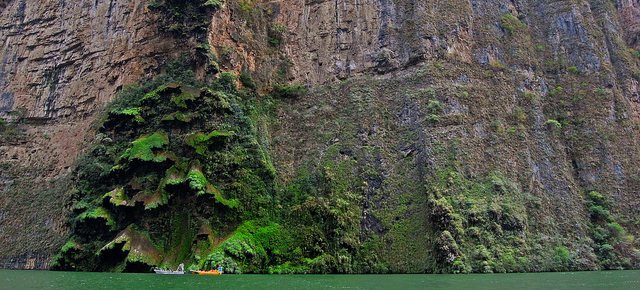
(536, 102)
(338, 39)
(499, 68)
(60, 59)
(629, 11)
(331, 40)
(60, 63)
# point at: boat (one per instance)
(207, 272)
(179, 271)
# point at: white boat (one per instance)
(179, 271)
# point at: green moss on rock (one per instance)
(136, 244)
(143, 148)
(117, 197)
(251, 247)
(133, 113)
(97, 214)
(511, 23)
(197, 181)
(201, 141)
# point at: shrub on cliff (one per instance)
(246, 80)
(611, 239)
(185, 18)
(562, 258)
(511, 24)
(276, 34)
(292, 91)
(553, 124)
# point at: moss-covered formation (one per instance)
(149, 183)
(158, 190)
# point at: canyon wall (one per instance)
(60, 63)
(503, 71)
(427, 100)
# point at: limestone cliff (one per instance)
(446, 136)
(60, 63)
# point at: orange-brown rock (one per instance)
(60, 63)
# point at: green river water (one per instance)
(88, 281)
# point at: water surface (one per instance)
(86, 281)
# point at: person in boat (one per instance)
(220, 269)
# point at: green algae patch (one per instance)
(184, 99)
(197, 181)
(143, 148)
(97, 214)
(252, 246)
(117, 197)
(174, 175)
(201, 141)
(137, 244)
(152, 200)
(217, 194)
(221, 100)
(134, 113)
(162, 92)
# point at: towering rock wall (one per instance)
(542, 92)
(504, 114)
(60, 63)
